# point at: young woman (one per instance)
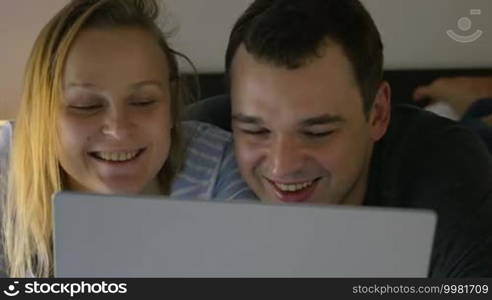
(100, 113)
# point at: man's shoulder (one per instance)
(408, 121)
(425, 159)
(419, 134)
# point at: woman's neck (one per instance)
(152, 188)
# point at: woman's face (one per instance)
(115, 121)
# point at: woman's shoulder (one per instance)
(205, 138)
(5, 135)
(5, 144)
(197, 129)
(207, 148)
(5, 141)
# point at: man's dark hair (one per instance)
(288, 33)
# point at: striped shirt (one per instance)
(5, 141)
(210, 170)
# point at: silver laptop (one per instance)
(139, 236)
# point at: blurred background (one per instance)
(417, 34)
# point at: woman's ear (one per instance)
(380, 113)
(174, 94)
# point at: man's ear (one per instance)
(380, 113)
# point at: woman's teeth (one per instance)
(116, 156)
(293, 187)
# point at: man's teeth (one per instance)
(293, 187)
(117, 156)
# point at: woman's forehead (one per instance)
(124, 54)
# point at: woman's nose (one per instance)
(117, 123)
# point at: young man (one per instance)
(313, 122)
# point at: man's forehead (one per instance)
(327, 46)
(330, 63)
(324, 88)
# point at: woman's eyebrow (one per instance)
(136, 85)
(144, 83)
(86, 85)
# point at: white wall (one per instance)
(413, 31)
(414, 34)
(203, 29)
(20, 22)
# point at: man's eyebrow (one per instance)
(242, 118)
(322, 120)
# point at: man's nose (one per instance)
(286, 158)
(117, 123)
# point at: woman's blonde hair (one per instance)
(35, 172)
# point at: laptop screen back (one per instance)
(123, 236)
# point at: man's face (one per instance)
(301, 135)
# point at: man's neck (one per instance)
(357, 195)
